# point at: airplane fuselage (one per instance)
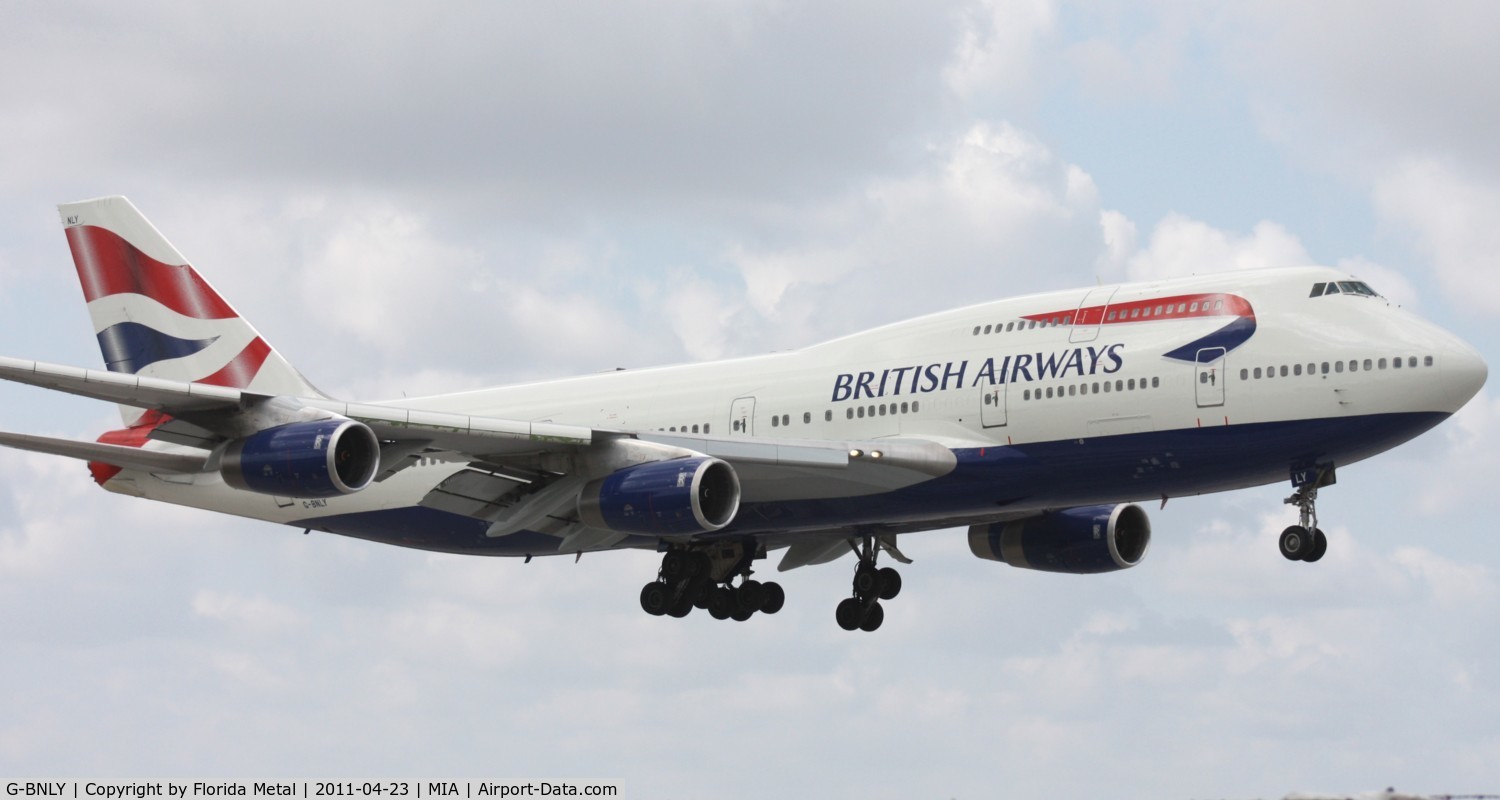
(1102, 395)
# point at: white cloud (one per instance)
(996, 46)
(1182, 246)
(1452, 217)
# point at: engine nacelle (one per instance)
(325, 458)
(674, 497)
(1081, 540)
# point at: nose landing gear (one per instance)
(1305, 541)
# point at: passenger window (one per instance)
(882, 409)
(1338, 366)
(1412, 362)
(806, 417)
(861, 412)
(1244, 374)
(1353, 365)
(1155, 383)
(1106, 387)
(1193, 308)
(1134, 313)
(1296, 369)
(1257, 373)
(775, 421)
(986, 329)
(1131, 385)
(1083, 388)
(828, 416)
(1181, 307)
(1283, 371)
(1026, 395)
(1270, 372)
(903, 408)
(1119, 386)
(849, 413)
(976, 330)
(705, 427)
(1325, 367)
(1427, 361)
(1369, 365)
(1396, 362)
(1111, 316)
(695, 429)
(914, 405)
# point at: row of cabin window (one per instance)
(884, 409)
(685, 429)
(1354, 365)
(1074, 389)
(1182, 308)
(1022, 325)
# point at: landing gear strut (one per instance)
(871, 585)
(1305, 541)
(703, 578)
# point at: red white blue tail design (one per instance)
(156, 316)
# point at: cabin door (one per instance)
(1090, 314)
(992, 405)
(1209, 374)
(742, 417)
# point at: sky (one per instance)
(415, 199)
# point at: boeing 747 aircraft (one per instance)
(1034, 422)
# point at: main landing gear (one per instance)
(871, 585)
(703, 578)
(1305, 541)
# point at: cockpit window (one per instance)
(1343, 287)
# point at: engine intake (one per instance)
(326, 458)
(1080, 541)
(678, 496)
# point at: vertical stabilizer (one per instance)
(154, 314)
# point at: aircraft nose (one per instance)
(1463, 373)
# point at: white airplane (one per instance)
(1034, 422)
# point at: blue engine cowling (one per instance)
(1080, 540)
(681, 496)
(326, 458)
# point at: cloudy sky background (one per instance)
(412, 201)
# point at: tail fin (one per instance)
(156, 316)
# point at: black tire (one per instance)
(866, 581)
(849, 614)
(682, 607)
(750, 596)
(1319, 547)
(774, 598)
(1295, 543)
(721, 602)
(654, 598)
(890, 583)
(873, 618)
(742, 614)
(674, 566)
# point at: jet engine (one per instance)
(694, 494)
(326, 458)
(1080, 540)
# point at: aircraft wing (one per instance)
(538, 453)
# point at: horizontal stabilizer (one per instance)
(118, 455)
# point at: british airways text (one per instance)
(923, 378)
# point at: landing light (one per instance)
(875, 454)
(856, 453)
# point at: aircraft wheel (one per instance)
(774, 597)
(750, 596)
(873, 618)
(742, 614)
(1295, 543)
(682, 607)
(675, 566)
(890, 583)
(654, 598)
(850, 613)
(721, 602)
(866, 580)
(1319, 547)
